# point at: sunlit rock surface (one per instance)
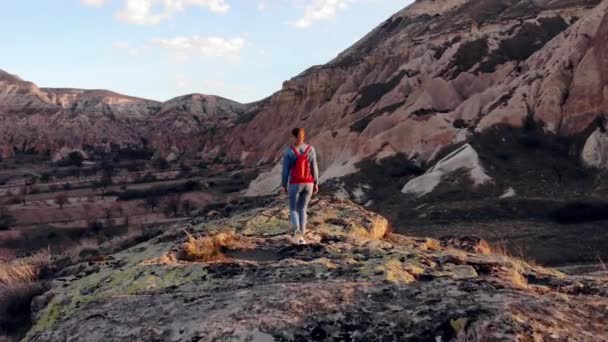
(354, 280)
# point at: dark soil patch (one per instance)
(460, 124)
(385, 178)
(361, 124)
(468, 55)
(581, 211)
(535, 163)
(528, 39)
(257, 255)
(372, 93)
(247, 116)
(427, 111)
(552, 188)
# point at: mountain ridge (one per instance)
(431, 76)
(73, 118)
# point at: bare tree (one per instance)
(61, 199)
(107, 172)
(172, 205)
(127, 221)
(23, 194)
(107, 213)
(151, 202)
(187, 206)
(88, 214)
(118, 209)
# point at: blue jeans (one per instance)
(299, 196)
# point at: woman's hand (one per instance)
(316, 189)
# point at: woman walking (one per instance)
(301, 180)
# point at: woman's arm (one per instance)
(286, 168)
(315, 167)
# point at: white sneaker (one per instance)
(299, 238)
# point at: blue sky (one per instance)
(159, 49)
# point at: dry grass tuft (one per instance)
(500, 248)
(83, 249)
(431, 245)
(133, 236)
(24, 270)
(483, 248)
(602, 264)
(516, 276)
(166, 259)
(207, 248)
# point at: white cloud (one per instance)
(134, 51)
(262, 6)
(94, 3)
(151, 12)
(320, 10)
(182, 82)
(186, 47)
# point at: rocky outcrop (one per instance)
(353, 281)
(464, 158)
(595, 151)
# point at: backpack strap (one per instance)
(295, 150)
(307, 149)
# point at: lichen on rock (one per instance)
(362, 284)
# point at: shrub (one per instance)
(185, 167)
(45, 177)
(149, 178)
(160, 164)
(6, 219)
(83, 249)
(15, 307)
(135, 167)
(75, 158)
(16, 199)
(207, 248)
(95, 226)
(159, 191)
(19, 284)
(151, 202)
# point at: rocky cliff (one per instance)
(433, 76)
(355, 280)
(440, 73)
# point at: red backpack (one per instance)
(300, 172)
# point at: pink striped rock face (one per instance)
(429, 77)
